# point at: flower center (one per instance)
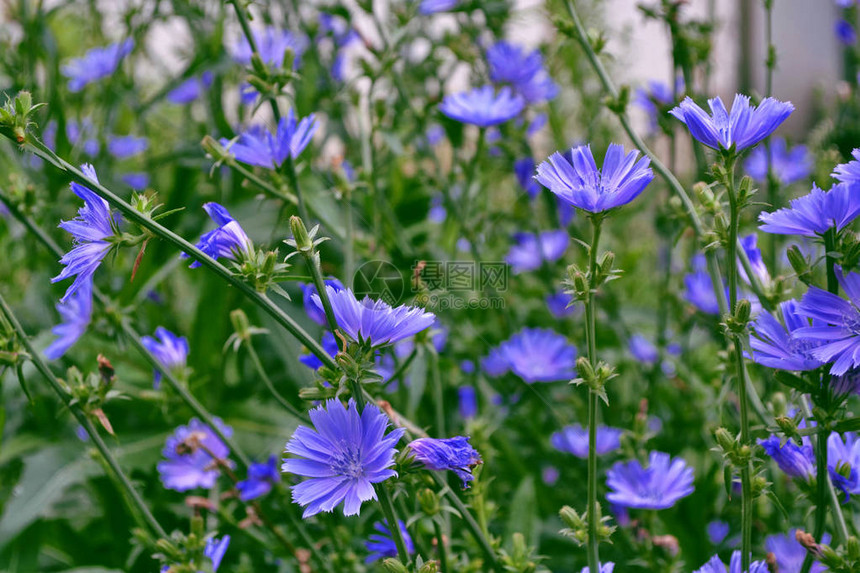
(347, 461)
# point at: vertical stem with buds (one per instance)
(593, 406)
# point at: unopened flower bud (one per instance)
(429, 567)
(303, 241)
(392, 565)
(429, 501)
(214, 149)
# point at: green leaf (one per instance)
(523, 516)
(848, 425)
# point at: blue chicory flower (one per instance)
(495, 363)
(381, 544)
(845, 32)
(228, 240)
(603, 568)
(170, 350)
(843, 462)
(531, 251)
(188, 452)
(574, 177)
(136, 181)
(574, 440)
(343, 457)
(716, 565)
(795, 461)
(750, 246)
(313, 311)
(535, 355)
(643, 349)
(549, 475)
(428, 7)
(523, 70)
(261, 478)
(440, 454)
(375, 322)
(790, 554)
(96, 64)
(656, 94)
(76, 314)
(524, 169)
(215, 550)
(658, 486)
(717, 531)
(559, 304)
(329, 344)
(257, 146)
(191, 89)
(92, 230)
(272, 44)
(83, 133)
(775, 345)
(743, 127)
(816, 213)
(468, 399)
(849, 172)
(788, 166)
(124, 146)
(483, 106)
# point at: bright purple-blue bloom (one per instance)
(257, 146)
(750, 246)
(559, 305)
(381, 544)
(170, 350)
(790, 554)
(787, 165)
(483, 106)
(191, 89)
(658, 486)
(657, 93)
(843, 462)
(531, 251)
(775, 345)
(261, 478)
(716, 565)
(574, 440)
(215, 551)
(91, 229)
(795, 461)
(343, 456)
(845, 32)
(535, 355)
(428, 7)
(272, 44)
(228, 240)
(643, 349)
(745, 126)
(440, 454)
(523, 70)
(123, 146)
(187, 464)
(313, 311)
(699, 289)
(815, 213)
(525, 169)
(838, 335)
(849, 172)
(717, 531)
(329, 344)
(574, 177)
(96, 64)
(76, 314)
(372, 321)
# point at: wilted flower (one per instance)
(261, 478)
(522, 69)
(375, 322)
(123, 146)
(816, 213)
(191, 89)
(531, 251)
(575, 177)
(91, 229)
(189, 452)
(744, 127)
(272, 44)
(257, 146)
(76, 314)
(344, 456)
(455, 454)
(535, 355)
(574, 440)
(775, 345)
(482, 106)
(790, 554)
(170, 350)
(96, 64)
(716, 565)
(381, 544)
(228, 240)
(787, 165)
(658, 486)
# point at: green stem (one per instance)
(313, 261)
(593, 412)
(349, 247)
(261, 372)
(440, 544)
(403, 366)
(84, 421)
(393, 524)
(438, 393)
(265, 186)
(290, 167)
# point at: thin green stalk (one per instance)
(312, 259)
(83, 420)
(264, 185)
(261, 372)
(403, 366)
(349, 246)
(393, 524)
(438, 394)
(440, 544)
(591, 337)
(290, 167)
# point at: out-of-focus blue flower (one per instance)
(483, 106)
(428, 7)
(549, 475)
(372, 321)
(188, 461)
(840, 327)
(845, 32)
(795, 461)
(83, 133)
(849, 172)
(170, 350)
(717, 531)
(329, 344)
(531, 251)
(96, 64)
(467, 366)
(790, 554)
(604, 568)
(437, 213)
(843, 462)
(716, 565)
(272, 44)
(648, 98)
(136, 181)
(91, 229)
(523, 70)
(574, 440)
(815, 213)
(536, 124)
(261, 479)
(191, 89)
(775, 346)
(844, 3)
(468, 398)
(558, 302)
(524, 169)
(745, 126)
(228, 240)
(848, 383)
(699, 289)
(76, 314)
(343, 456)
(750, 246)
(257, 146)
(435, 134)
(313, 311)
(215, 551)
(440, 454)
(338, 27)
(381, 544)
(574, 177)
(123, 146)
(787, 165)
(533, 354)
(658, 486)
(643, 349)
